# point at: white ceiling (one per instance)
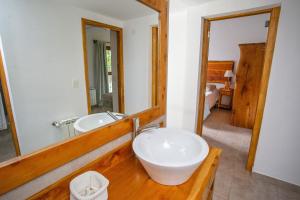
(177, 5)
(119, 9)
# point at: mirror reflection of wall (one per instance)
(42, 50)
(138, 63)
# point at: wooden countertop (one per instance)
(129, 180)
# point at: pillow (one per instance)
(210, 87)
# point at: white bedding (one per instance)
(211, 98)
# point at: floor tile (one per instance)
(233, 182)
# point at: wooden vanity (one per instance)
(129, 180)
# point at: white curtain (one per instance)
(100, 71)
(3, 122)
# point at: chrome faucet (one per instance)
(64, 122)
(137, 129)
(122, 115)
(112, 115)
(115, 116)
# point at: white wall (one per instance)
(277, 153)
(226, 35)
(279, 142)
(176, 68)
(41, 79)
(94, 33)
(137, 63)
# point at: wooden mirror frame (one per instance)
(25, 168)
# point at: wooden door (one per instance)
(247, 84)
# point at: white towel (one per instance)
(3, 122)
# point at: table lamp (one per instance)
(228, 74)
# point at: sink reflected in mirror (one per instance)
(90, 122)
(170, 156)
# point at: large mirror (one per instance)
(70, 66)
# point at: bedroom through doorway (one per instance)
(237, 52)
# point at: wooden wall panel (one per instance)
(217, 69)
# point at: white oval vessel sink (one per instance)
(170, 156)
(90, 122)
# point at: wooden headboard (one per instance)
(216, 70)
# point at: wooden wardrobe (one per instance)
(247, 85)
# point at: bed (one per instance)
(215, 81)
(211, 98)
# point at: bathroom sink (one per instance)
(90, 122)
(170, 156)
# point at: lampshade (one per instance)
(228, 73)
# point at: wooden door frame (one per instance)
(154, 55)
(270, 44)
(84, 23)
(8, 106)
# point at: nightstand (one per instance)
(225, 92)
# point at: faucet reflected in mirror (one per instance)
(89, 122)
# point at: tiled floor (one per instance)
(7, 149)
(233, 182)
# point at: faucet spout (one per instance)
(137, 129)
(112, 115)
(149, 128)
(116, 115)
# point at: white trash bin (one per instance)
(89, 186)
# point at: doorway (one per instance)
(266, 67)
(103, 64)
(9, 145)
